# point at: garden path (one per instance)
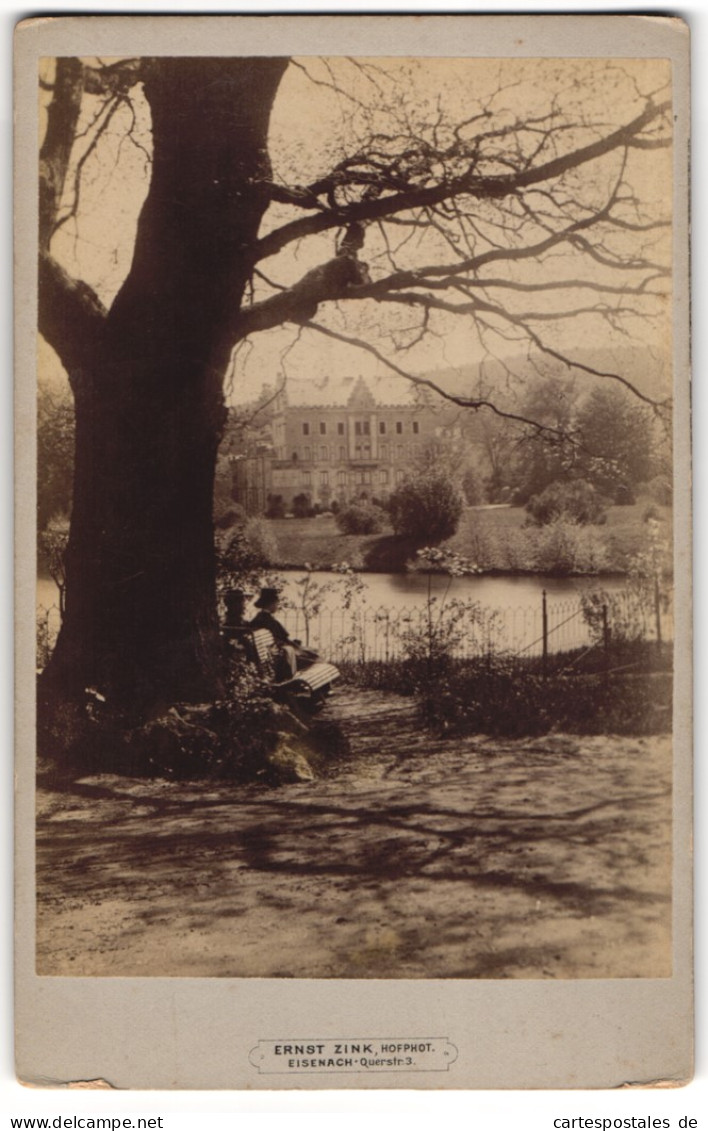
(413, 857)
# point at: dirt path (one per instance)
(472, 858)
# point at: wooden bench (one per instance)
(312, 682)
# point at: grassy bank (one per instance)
(495, 538)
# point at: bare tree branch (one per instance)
(107, 112)
(470, 184)
(71, 317)
(54, 156)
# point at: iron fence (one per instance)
(361, 634)
(545, 628)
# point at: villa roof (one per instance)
(338, 392)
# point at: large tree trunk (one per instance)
(140, 621)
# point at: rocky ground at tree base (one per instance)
(410, 857)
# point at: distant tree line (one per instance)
(597, 450)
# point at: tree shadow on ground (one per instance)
(354, 842)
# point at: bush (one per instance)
(262, 541)
(361, 518)
(577, 501)
(501, 697)
(302, 507)
(566, 547)
(660, 489)
(244, 555)
(427, 509)
(275, 507)
(233, 515)
(473, 488)
(243, 737)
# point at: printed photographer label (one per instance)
(355, 1054)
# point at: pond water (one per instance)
(505, 613)
(406, 590)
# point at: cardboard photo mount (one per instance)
(238, 1033)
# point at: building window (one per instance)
(342, 453)
(305, 429)
(324, 453)
(294, 457)
(323, 428)
(357, 428)
(367, 428)
(384, 451)
(306, 478)
(308, 454)
(324, 478)
(341, 478)
(367, 451)
(367, 477)
(383, 476)
(400, 451)
(340, 429)
(416, 427)
(399, 427)
(382, 427)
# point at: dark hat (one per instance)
(234, 597)
(266, 598)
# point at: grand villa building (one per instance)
(338, 439)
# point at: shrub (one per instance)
(427, 509)
(660, 489)
(262, 540)
(302, 507)
(361, 518)
(45, 641)
(226, 518)
(242, 556)
(473, 488)
(637, 611)
(379, 675)
(566, 547)
(275, 507)
(626, 614)
(560, 548)
(577, 501)
(499, 696)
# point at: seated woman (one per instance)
(291, 654)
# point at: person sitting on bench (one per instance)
(291, 654)
(235, 602)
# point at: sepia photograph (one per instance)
(355, 541)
